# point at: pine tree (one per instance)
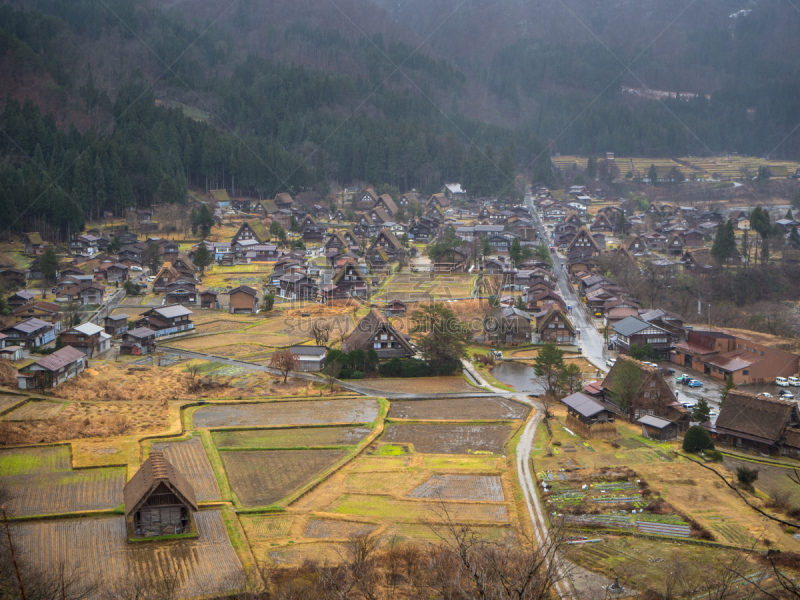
(202, 257)
(652, 174)
(789, 215)
(515, 252)
(724, 243)
(591, 167)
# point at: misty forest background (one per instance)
(117, 103)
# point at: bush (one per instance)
(697, 439)
(714, 455)
(746, 476)
(356, 375)
(404, 368)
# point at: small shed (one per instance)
(243, 300)
(309, 358)
(116, 325)
(656, 428)
(208, 299)
(159, 500)
(589, 417)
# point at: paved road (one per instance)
(590, 341)
(559, 566)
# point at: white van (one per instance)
(781, 381)
(793, 381)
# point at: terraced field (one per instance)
(261, 478)
(191, 460)
(41, 481)
(461, 487)
(35, 410)
(401, 510)
(290, 437)
(450, 439)
(466, 409)
(287, 413)
(98, 550)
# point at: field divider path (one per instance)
(538, 518)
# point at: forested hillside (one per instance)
(129, 102)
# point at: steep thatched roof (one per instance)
(755, 416)
(370, 324)
(153, 472)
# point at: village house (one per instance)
(34, 245)
(8, 351)
(89, 338)
(422, 229)
(13, 278)
(309, 358)
(283, 201)
(507, 325)
(181, 291)
(159, 500)
(554, 326)
(751, 422)
(721, 355)
(138, 342)
(30, 333)
(589, 418)
(167, 320)
(49, 312)
(395, 308)
(351, 280)
(251, 230)
(92, 293)
(19, 299)
(386, 203)
(375, 332)
(632, 332)
(209, 299)
(112, 272)
(366, 200)
(297, 286)
(243, 300)
(385, 249)
(638, 390)
(52, 370)
(116, 325)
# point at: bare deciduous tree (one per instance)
(331, 372)
(284, 361)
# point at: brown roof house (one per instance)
(768, 425)
(554, 326)
(375, 332)
(638, 390)
(507, 325)
(589, 417)
(159, 500)
(52, 370)
(243, 300)
(385, 249)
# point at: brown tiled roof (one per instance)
(753, 415)
(732, 361)
(366, 329)
(154, 471)
(243, 288)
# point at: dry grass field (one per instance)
(292, 437)
(449, 439)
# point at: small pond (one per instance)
(518, 375)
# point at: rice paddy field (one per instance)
(312, 412)
(97, 551)
(41, 481)
(413, 287)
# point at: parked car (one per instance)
(786, 394)
(151, 278)
(694, 383)
(611, 362)
(136, 268)
(766, 395)
(793, 380)
(781, 381)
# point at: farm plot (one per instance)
(96, 550)
(330, 528)
(420, 385)
(450, 439)
(8, 402)
(287, 413)
(32, 461)
(290, 437)
(191, 460)
(260, 478)
(461, 409)
(375, 483)
(407, 510)
(41, 481)
(486, 488)
(36, 410)
(266, 527)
